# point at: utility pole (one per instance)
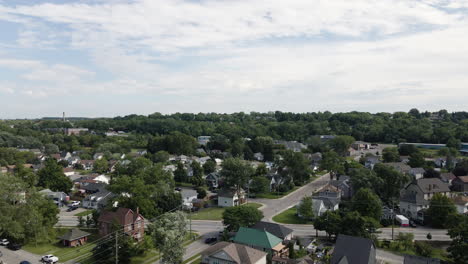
(393, 217)
(190, 223)
(117, 247)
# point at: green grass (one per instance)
(215, 213)
(275, 195)
(289, 217)
(62, 252)
(184, 184)
(84, 213)
(192, 259)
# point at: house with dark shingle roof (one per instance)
(416, 195)
(460, 184)
(132, 223)
(261, 240)
(351, 250)
(278, 230)
(447, 177)
(74, 237)
(399, 166)
(225, 252)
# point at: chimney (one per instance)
(138, 211)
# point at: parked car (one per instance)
(73, 208)
(210, 240)
(14, 246)
(74, 204)
(4, 242)
(1, 254)
(25, 262)
(412, 223)
(49, 259)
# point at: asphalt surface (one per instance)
(15, 257)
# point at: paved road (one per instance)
(15, 257)
(273, 207)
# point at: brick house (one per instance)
(74, 237)
(133, 223)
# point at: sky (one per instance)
(99, 58)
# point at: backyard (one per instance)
(215, 213)
(289, 216)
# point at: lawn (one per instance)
(276, 195)
(289, 217)
(215, 213)
(62, 252)
(84, 213)
(193, 259)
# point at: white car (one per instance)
(49, 259)
(4, 242)
(75, 203)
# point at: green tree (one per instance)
(423, 248)
(25, 174)
(180, 174)
(332, 162)
(52, 177)
(416, 160)
(391, 155)
(197, 178)
(458, 232)
(201, 192)
(236, 172)
(365, 178)
(367, 203)
(341, 144)
(356, 225)
(330, 222)
(305, 209)
(169, 233)
(101, 165)
(260, 184)
(244, 215)
(261, 170)
(392, 182)
(161, 156)
(296, 167)
(454, 143)
(81, 221)
(440, 209)
(405, 240)
(105, 252)
(50, 149)
(209, 166)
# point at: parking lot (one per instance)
(15, 257)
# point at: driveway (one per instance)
(387, 257)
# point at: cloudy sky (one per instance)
(117, 57)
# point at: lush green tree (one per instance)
(454, 143)
(180, 174)
(209, 166)
(461, 168)
(458, 232)
(367, 203)
(354, 224)
(406, 150)
(296, 167)
(201, 192)
(365, 178)
(405, 240)
(244, 215)
(197, 178)
(161, 156)
(261, 170)
(50, 149)
(25, 174)
(105, 252)
(304, 209)
(101, 165)
(392, 182)
(416, 160)
(236, 173)
(174, 143)
(431, 173)
(260, 184)
(52, 177)
(391, 155)
(440, 209)
(169, 233)
(341, 144)
(423, 248)
(332, 162)
(330, 222)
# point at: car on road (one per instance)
(74, 204)
(14, 246)
(210, 240)
(412, 223)
(1, 254)
(72, 208)
(25, 262)
(49, 259)
(4, 242)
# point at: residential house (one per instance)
(203, 140)
(275, 181)
(91, 186)
(277, 230)
(416, 195)
(212, 180)
(261, 240)
(98, 156)
(321, 205)
(315, 159)
(417, 173)
(344, 185)
(460, 184)
(328, 191)
(3, 170)
(400, 167)
(447, 177)
(59, 198)
(87, 164)
(411, 259)
(188, 196)
(258, 156)
(232, 253)
(291, 145)
(360, 145)
(132, 223)
(68, 171)
(65, 155)
(75, 131)
(228, 198)
(461, 202)
(74, 237)
(370, 162)
(73, 160)
(97, 200)
(350, 250)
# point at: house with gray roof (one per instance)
(399, 166)
(278, 230)
(417, 173)
(416, 195)
(460, 184)
(351, 250)
(225, 252)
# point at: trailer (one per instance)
(402, 220)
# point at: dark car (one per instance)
(1, 254)
(210, 240)
(412, 223)
(14, 246)
(73, 208)
(25, 262)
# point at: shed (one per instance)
(74, 237)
